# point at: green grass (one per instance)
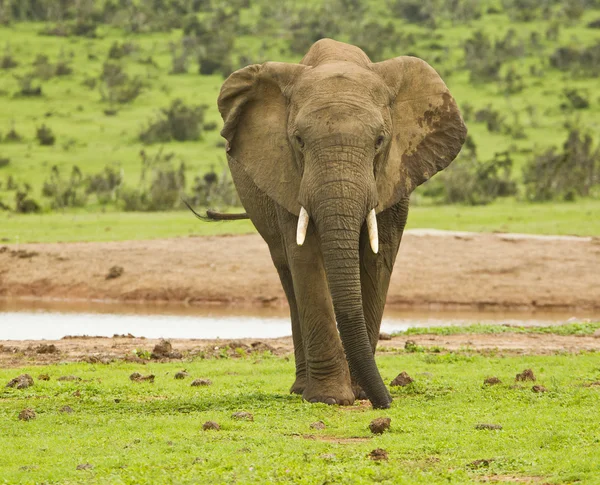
(88, 138)
(138, 433)
(505, 216)
(564, 329)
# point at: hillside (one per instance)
(79, 82)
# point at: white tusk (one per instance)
(302, 226)
(372, 227)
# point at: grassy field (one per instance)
(579, 219)
(127, 432)
(87, 137)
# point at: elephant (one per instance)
(324, 155)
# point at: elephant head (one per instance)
(338, 139)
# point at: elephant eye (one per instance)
(300, 141)
(379, 142)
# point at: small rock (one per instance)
(526, 375)
(318, 425)
(43, 377)
(115, 272)
(487, 426)
(379, 425)
(384, 336)
(66, 409)
(201, 382)
(85, 466)
(538, 388)
(243, 416)
(27, 415)
(492, 381)
(69, 378)
(378, 454)
(211, 425)
(21, 382)
(402, 379)
(181, 375)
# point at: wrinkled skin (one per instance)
(339, 136)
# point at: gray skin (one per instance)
(339, 136)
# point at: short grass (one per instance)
(564, 329)
(141, 433)
(504, 216)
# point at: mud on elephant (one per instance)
(324, 155)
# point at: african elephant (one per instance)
(324, 155)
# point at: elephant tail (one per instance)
(212, 216)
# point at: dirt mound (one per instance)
(164, 350)
(378, 454)
(481, 271)
(379, 425)
(21, 382)
(492, 381)
(526, 375)
(402, 379)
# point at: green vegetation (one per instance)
(96, 87)
(121, 431)
(564, 329)
(504, 216)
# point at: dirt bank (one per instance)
(434, 269)
(103, 349)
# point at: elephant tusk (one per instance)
(302, 226)
(372, 227)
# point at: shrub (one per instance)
(575, 99)
(563, 175)
(8, 61)
(118, 50)
(117, 86)
(4, 162)
(178, 122)
(25, 204)
(65, 192)
(28, 87)
(212, 190)
(491, 117)
(580, 62)
(12, 136)
(45, 135)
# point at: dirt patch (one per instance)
(105, 350)
(243, 416)
(47, 349)
(27, 415)
(539, 389)
(488, 426)
(164, 350)
(378, 454)
(318, 425)
(335, 439)
(137, 377)
(211, 425)
(481, 271)
(201, 382)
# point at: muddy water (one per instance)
(50, 320)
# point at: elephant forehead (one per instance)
(339, 80)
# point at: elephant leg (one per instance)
(328, 375)
(285, 276)
(376, 270)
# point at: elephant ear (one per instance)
(428, 130)
(253, 104)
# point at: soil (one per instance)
(201, 382)
(211, 425)
(492, 381)
(21, 382)
(378, 454)
(434, 269)
(27, 415)
(103, 350)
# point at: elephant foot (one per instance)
(299, 385)
(329, 394)
(358, 392)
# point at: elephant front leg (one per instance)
(327, 372)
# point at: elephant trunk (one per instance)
(339, 208)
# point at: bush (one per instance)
(563, 175)
(178, 122)
(117, 86)
(8, 62)
(105, 184)
(12, 136)
(575, 100)
(583, 62)
(25, 205)
(493, 119)
(118, 50)
(65, 192)
(28, 87)
(45, 136)
(4, 162)
(212, 190)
